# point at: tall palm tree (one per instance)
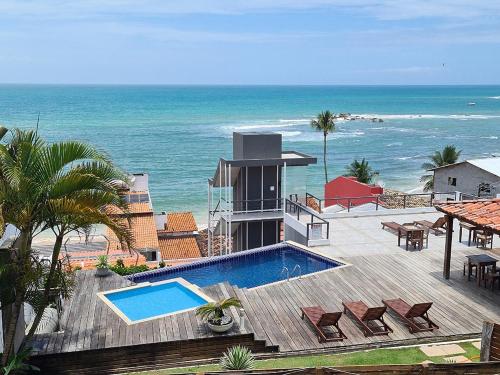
(449, 155)
(60, 187)
(324, 122)
(361, 170)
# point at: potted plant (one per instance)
(102, 266)
(213, 314)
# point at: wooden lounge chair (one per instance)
(391, 225)
(415, 317)
(430, 226)
(320, 320)
(367, 318)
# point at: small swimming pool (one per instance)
(246, 269)
(150, 301)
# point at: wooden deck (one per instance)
(272, 312)
(379, 269)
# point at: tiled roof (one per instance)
(179, 248)
(181, 222)
(484, 213)
(132, 208)
(143, 229)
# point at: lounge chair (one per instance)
(391, 225)
(368, 317)
(320, 320)
(430, 226)
(415, 317)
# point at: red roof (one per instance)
(483, 213)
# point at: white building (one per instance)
(478, 177)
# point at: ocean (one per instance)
(178, 133)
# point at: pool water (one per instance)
(151, 301)
(246, 269)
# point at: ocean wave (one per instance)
(295, 121)
(490, 137)
(394, 144)
(494, 97)
(290, 134)
(259, 126)
(426, 116)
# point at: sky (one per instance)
(250, 41)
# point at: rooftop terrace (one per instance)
(379, 270)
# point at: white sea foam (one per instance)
(494, 97)
(290, 134)
(394, 144)
(427, 116)
(490, 137)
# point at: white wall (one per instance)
(468, 178)
(140, 182)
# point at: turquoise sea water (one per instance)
(177, 133)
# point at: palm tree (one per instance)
(361, 170)
(449, 155)
(324, 122)
(60, 187)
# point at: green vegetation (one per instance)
(123, 270)
(237, 358)
(449, 155)
(214, 311)
(324, 123)
(60, 187)
(361, 170)
(102, 261)
(396, 356)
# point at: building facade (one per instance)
(476, 177)
(246, 194)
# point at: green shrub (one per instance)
(237, 358)
(102, 261)
(122, 270)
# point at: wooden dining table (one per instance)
(407, 230)
(481, 261)
(471, 228)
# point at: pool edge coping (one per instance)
(342, 264)
(192, 287)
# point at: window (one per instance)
(452, 181)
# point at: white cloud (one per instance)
(381, 9)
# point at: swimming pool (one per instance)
(246, 269)
(153, 300)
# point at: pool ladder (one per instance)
(288, 274)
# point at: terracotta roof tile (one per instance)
(143, 229)
(179, 248)
(180, 222)
(484, 213)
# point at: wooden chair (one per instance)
(484, 238)
(430, 226)
(371, 319)
(417, 238)
(416, 317)
(492, 276)
(320, 320)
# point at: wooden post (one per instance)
(447, 247)
(486, 340)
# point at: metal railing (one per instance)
(249, 205)
(387, 201)
(311, 220)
